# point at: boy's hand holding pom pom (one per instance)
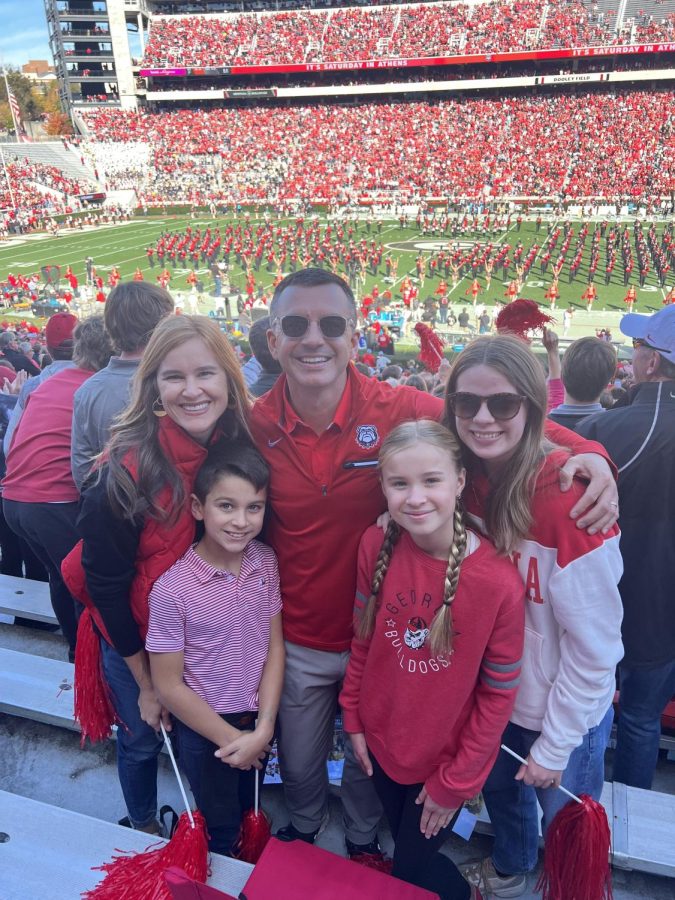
(246, 751)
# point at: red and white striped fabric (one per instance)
(16, 115)
(220, 622)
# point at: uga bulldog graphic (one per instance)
(367, 436)
(415, 633)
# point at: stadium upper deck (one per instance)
(394, 32)
(95, 66)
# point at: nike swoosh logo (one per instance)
(274, 443)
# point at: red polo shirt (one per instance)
(322, 500)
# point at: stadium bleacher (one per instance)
(365, 33)
(607, 144)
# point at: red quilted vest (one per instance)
(161, 543)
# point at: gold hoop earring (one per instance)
(157, 409)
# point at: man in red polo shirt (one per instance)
(320, 429)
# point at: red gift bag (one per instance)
(298, 871)
(182, 887)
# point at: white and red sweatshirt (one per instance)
(435, 719)
(572, 617)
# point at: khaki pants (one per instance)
(306, 716)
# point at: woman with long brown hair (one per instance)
(496, 405)
(135, 522)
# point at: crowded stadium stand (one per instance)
(90, 39)
(42, 180)
(356, 34)
(561, 101)
(555, 146)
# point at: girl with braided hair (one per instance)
(435, 662)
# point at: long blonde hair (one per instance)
(136, 430)
(422, 431)
(508, 515)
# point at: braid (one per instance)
(367, 620)
(440, 635)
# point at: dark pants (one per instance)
(222, 794)
(49, 529)
(17, 558)
(416, 858)
(644, 695)
(138, 746)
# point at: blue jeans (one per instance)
(222, 793)
(138, 746)
(644, 695)
(512, 805)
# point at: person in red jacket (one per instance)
(431, 593)
(135, 520)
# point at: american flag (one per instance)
(16, 113)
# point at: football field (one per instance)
(124, 246)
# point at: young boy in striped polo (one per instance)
(215, 640)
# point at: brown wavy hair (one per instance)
(136, 430)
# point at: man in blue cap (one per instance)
(640, 438)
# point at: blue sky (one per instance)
(24, 32)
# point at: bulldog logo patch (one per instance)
(367, 436)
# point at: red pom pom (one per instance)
(521, 316)
(140, 876)
(576, 858)
(254, 835)
(93, 706)
(431, 347)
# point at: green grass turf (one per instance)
(124, 246)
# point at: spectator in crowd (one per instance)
(640, 438)
(16, 557)
(131, 314)
(59, 336)
(188, 391)
(392, 375)
(223, 690)
(496, 406)
(40, 499)
(417, 382)
(422, 782)
(269, 367)
(9, 350)
(588, 366)
(314, 427)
